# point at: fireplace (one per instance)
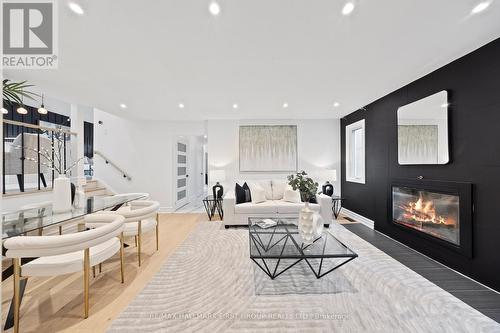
(437, 211)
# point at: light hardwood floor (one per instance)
(56, 304)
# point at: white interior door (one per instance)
(182, 177)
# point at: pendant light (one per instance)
(42, 109)
(5, 111)
(21, 109)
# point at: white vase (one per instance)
(61, 195)
(306, 225)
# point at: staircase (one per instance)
(95, 189)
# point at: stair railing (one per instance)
(108, 161)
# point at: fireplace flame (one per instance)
(424, 211)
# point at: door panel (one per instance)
(181, 174)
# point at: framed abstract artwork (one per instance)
(268, 148)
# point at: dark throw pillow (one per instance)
(242, 193)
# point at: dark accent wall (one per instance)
(473, 83)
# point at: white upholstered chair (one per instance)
(58, 255)
(140, 217)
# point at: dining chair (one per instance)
(65, 254)
(140, 217)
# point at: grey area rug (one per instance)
(209, 284)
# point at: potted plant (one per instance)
(304, 184)
(307, 187)
(14, 92)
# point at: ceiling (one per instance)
(259, 54)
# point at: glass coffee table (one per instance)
(282, 244)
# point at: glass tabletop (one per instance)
(40, 215)
(284, 242)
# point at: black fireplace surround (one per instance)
(450, 227)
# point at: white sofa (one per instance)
(273, 207)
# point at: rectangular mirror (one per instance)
(423, 131)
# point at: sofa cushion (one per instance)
(242, 193)
(278, 186)
(258, 193)
(291, 196)
(284, 207)
(266, 185)
(267, 207)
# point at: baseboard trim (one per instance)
(360, 218)
(166, 210)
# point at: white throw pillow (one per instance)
(257, 192)
(291, 196)
(266, 185)
(279, 187)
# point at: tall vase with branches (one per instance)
(308, 189)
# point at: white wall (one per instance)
(318, 148)
(144, 150)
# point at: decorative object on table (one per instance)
(55, 161)
(268, 148)
(308, 188)
(329, 175)
(213, 204)
(243, 193)
(218, 176)
(266, 223)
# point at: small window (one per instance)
(355, 152)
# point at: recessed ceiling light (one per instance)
(181, 106)
(348, 8)
(205, 136)
(285, 105)
(5, 111)
(480, 7)
(214, 8)
(336, 104)
(76, 8)
(123, 106)
(235, 106)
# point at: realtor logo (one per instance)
(29, 34)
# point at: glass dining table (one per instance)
(33, 219)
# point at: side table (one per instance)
(212, 205)
(337, 205)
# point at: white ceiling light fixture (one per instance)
(480, 7)
(76, 8)
(214, 8)
(285, 105)
(181, 106)
(348, 8)
(22, 110)
(5, 111)
(42, 109)
(235, 106)
(123, 106)
(336, 104)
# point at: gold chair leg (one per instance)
(17, 293)
(121, 258)
(60, 230)
(139, 242)
(86, 271)
(157, 241)
(135, 238)
(100, 267)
